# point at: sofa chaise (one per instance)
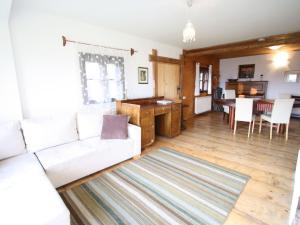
(39, 155)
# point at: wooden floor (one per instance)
(271, 164)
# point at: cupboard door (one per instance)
(147, 126)
(147, 117)
(168, 79)
(176, 120)
(148, 135)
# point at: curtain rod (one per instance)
(65, 40)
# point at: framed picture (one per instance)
(143, 75)
(246, 71)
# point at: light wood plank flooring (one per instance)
(271, 164)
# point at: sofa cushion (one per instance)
(27, 196)
(11, 140)
(66, 163)
(48, 132)
(114, 127)
(89, 123)
(14, 169)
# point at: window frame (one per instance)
(102, 61)
(291, 72)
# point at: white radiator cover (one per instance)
(202, 104)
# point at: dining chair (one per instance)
(281, 114)
(244, 112)
(284, 96)
(228, 94)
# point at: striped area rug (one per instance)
(163, 187)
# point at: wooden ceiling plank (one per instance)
(250, 45)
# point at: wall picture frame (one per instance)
(246, 71)
(143, 76)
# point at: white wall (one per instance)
(263, 65)
(48, 73)
(10, 108)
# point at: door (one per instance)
(168, 80)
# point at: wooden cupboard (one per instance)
(248, 88)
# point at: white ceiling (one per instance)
(216, 21)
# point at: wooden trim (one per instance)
(162, 59)
(155, 73)
(181, 76)
(283, 39)
(202, 95)
(155, 59)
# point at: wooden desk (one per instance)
(165, 120)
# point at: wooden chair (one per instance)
(244, 112)
(281, 114)
(228, 94)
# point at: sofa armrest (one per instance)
(134, 132)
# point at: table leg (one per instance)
(231, 116)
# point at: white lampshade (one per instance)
(189, 33)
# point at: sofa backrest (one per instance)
(89, 122)
(48, 132)
(11, 140)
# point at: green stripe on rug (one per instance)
(162, 187)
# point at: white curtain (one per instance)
(197, 77)
(209, 79)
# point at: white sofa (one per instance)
(63, 149)
(26, 195)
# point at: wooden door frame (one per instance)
(155, 59)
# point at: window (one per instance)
(291, 76)
(203, 79)
(102, 78)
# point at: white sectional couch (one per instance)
(26, 195)
(58, 151)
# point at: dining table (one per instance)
(260, 106)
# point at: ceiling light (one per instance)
(281, 59)
(275, 47)
(189, 33)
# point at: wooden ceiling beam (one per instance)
(249, 45)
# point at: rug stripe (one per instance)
(176, 197)
(163, 187)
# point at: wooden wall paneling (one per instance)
(181, 76)
(189, 79)
(188, 88)
(168, 77)
(169, 63)
(160, 79)
(156, 58)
